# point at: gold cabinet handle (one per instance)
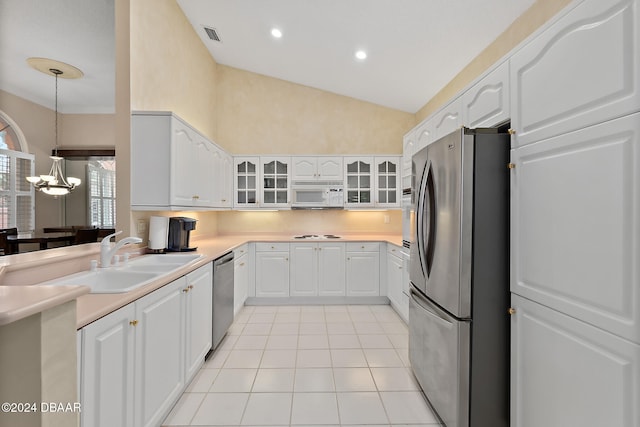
(196, 197)
(511, 311)
(362, 247)
(241, 264)
(133, 322)
(185, 290)
(512, 131)
(511, 165)
(190, 287)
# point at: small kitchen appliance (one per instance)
(179, 229)
(317, 195)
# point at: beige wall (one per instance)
(310, 222)
(171, 70)
(538, 14)
(88, 130)
(37, 124)
(263, 115)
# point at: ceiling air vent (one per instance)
(212, 33)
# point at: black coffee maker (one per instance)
(179, 229)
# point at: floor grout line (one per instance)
(361, 320)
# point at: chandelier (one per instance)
(54, 184)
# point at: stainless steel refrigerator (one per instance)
(459, 270)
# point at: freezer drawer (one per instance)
(439, 348)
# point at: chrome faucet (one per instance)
(107, 252)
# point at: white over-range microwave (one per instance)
(317, 195)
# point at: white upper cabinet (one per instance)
(172, 165)
(246, 180)
(312, 168)
(447, 120)
(387, 172)
(486, 104)
(582, 70)
(372, 181)
(223, 175)
(358, 172)
(408, 149)
(275, 175)
(423, 135)
(575, 221)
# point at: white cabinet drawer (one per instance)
(241, 250)
(363, 247)
(272, 247)
(394, 250)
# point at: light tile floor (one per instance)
(307, 365)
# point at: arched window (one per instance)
(17, 206)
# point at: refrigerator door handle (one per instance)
(419, 217)
(428, 306)
(431, 219)
(426, 220)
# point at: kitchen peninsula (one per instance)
(92, 307)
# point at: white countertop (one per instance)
(17, 302)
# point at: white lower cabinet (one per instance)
(240, 277)
(137, 360)
(395, 277)
(565, 372)
(317, 269)
(107, 370)
(363, 269)
(272, 270)
(198, 315)
(159, 366)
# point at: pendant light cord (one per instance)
(56, 72)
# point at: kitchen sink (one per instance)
(164, 259)
(136, 273)
(106, 281)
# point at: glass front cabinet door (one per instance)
(358, 181)
(246, 182)
(387, 181)
(275, 182)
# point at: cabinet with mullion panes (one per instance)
(246, 182)
(387, 178)
(358, 181)
(275, 181)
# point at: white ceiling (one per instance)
(78, 32)
(415, 47)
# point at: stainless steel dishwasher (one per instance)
(222, 297)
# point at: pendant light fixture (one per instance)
(55, 184)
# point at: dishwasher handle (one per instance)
(224, 259)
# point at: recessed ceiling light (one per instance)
(276, 33)
(361, 55)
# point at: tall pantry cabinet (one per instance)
(575, 220)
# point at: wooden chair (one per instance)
(5, 247)
(86, 235)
